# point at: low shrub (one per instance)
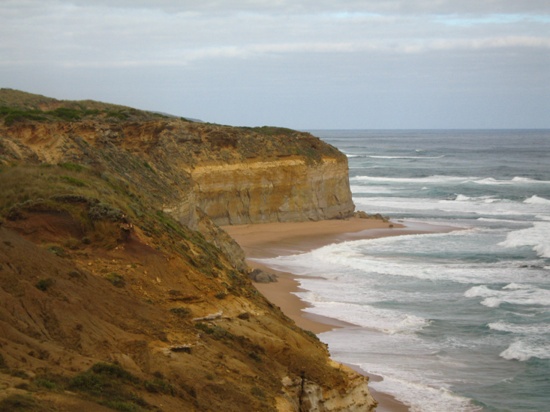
(18, 402)
(116, 279)
(108, 384)
(44, 284)
(181, 312)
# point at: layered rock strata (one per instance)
(273, 191)
(235, 175)
(117, 287)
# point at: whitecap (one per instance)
(524, 350)
(496, 220)
(535, 236)
(469, 208)
(514, 181)
(492, 181)
(526, 329)
(537, 200)
(382, 320)
(422, 397)
(485, 199)
(524, 295)
(429, 179)
(479, 291)
(516, 286)
(492, 302)
(519, 179)
(406, 157)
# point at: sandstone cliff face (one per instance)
(231, 175)
(101, 289)
(235, 175)
(274, 191)
(304, 395)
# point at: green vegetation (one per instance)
(18, 402)
(11, 115)
(257, 392)
(20, 106)
(72, 166)
(57, 250)
(215, 331)
(116, 279)
(109, 385)
(170, 224)
(271, 130)
(73, 181)
(181, 312)
(51, 187)
(97, 205)
(159, 385)
(221, 334)
(44, 382)
(255, 356)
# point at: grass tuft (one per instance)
(116, 279)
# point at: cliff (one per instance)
(235, 175)
(117, 288)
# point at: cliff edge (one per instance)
(118, 291)
(236, 175)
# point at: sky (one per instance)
(303, 64)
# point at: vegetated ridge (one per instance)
(118, 290)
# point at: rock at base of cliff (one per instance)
(364, 215)
(260, 276)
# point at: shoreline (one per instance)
(278, 239)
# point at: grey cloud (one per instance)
(315, 53)
(311, 6)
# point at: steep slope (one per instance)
(108, 301)
(235, 175)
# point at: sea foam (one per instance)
(528, 295)
(526, 329)
(536, 236)
(421, 397)
(522, 350)
(537, 200)
(382, 320)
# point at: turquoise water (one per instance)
(456, 321)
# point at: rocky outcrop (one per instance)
(274, 190)
(304, 395)
(235, 175)
(188, 170)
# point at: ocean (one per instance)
(456, 321)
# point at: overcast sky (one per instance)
(302, 64)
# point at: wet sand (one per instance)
(277, 239)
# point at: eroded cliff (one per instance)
(117, 291)
(235, 175)
(274, 190)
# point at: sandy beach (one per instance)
(276, 239)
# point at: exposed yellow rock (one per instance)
(270, 191)
(99, 281)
